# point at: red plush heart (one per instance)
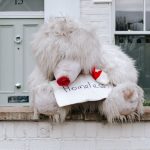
(96, 73)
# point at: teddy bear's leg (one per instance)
(43, 99)
(45, 103)
(124, 102)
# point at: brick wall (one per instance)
(100, 15)
(74, 136)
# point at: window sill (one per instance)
(26, 114)
(101, 1)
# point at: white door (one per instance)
(16, 61)
(19, 20)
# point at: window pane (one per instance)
(129, 15)
(138, 47)
(21, 5)
(148, 15)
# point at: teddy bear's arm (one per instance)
(36, 79)
(44, 101)
(126, 98)
(119, 67)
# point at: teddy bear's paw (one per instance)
(123, 103)
(112, 113)
(127, 97)
(109, 109)
(128, 94)
(132, 117)
(59, 115)
(44, 99)
(44, 88)
(132, 100)
(132, 92)
(44, 91)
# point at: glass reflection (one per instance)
(21, 5)
(138, 47)
(129, 15)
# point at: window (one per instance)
(21, 5)
(129, 15)
(132, 33)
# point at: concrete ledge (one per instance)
(26, 113)
(146, 116)
(16, 113)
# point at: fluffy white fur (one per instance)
(63, 39)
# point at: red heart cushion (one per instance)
(96, 73)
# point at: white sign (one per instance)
(84, 89)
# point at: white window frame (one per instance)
(22, 14)
(114, 32)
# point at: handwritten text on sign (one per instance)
(85, 88)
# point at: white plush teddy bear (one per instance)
(64, 48)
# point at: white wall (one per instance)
(100, 16)
(74, 136)
(61, 8)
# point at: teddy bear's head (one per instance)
(63, 39)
